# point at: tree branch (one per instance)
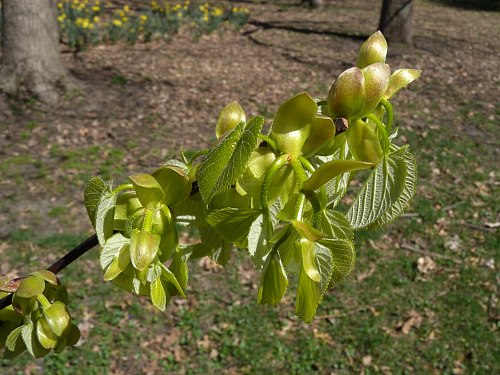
(62, 263)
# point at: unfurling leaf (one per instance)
(94, 189)
(400, 79)
(381, 190)
(329, 170)
(291, 126)
(363, 142)
(174, 182)
(148, 190)
(143, 248)
(310, 292)
(273, 282)
(31, 287)
(307, 231)
(57, 317)
(158, 295)
(233, 224)
(227, 161)
(403, 200)
(105, 214)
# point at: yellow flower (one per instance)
(125, 19)
(205, 18)
(96, 19)
(96, 8)
(61, 17)
(117, 23)
(126, 8)
(143, 18)
(216, 12)
(59, 5)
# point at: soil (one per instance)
(138, 105)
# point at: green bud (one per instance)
(376, 82)
(372, 51)
(57, 317)
(401, 78)
(230, 116)
(24, 306)
(148, 190)
(143, 248)
(347, 94)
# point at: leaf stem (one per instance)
(383, 129)
(269, 141)
(299, 207)
(271, 172)
(123, 187)
(197, 154)
(390, 113)
(323, 198)
(147, 224)
(43, 301)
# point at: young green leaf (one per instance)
(175, 183)
(172, 282)
(233, 224)
(94, 188)
(158, 295)
(105, 213)
(335, 225)
(46, 337)
(143, 248)
(227, 161)
(401, 78)
(57, 317)
(363, 142)
(12, 338)
(180, 269)
(379, 192)
(310, 292)
(307, 231)
(273, 281)
(120, 261)
(31, 287)
(48, 276)
(291, 126)
(111, 248)
(322, 131)
(404, 199)
(309, 259)
(343, 258)
(332, 169)
(148, 190)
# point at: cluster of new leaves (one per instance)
(38, 319)
(272, 193)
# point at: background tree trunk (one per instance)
(395, 21)
(313, 3)
(30, 49)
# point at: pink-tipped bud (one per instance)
(376, 82)
(347, 95)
